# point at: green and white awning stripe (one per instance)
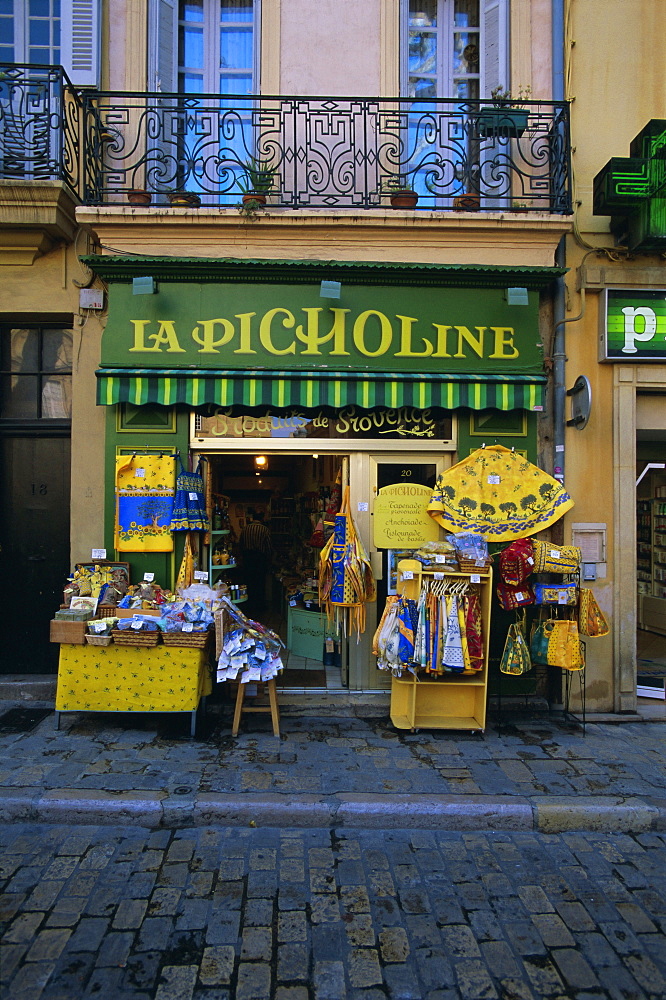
(281, 389)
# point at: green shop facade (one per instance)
(395, 371)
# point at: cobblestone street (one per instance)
(264, 914)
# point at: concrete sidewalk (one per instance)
(529, 773)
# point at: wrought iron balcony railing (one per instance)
(40, 125)
(317, 152)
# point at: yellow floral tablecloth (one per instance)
(131, 678)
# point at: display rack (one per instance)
(450, 701)
(651, 564)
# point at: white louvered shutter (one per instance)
(80, 41)
(494, 45)
(163, 46)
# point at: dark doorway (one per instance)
(34, 555)
(35, 415)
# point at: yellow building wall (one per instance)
(617, 83)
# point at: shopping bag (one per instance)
(514, 597)
(547, 593)
(565, 649)
(539, 643)
(516, 656)
(550, 558)
(516, 562)
(591, 619)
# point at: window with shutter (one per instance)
(80, 33)
(30, 31)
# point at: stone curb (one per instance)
(545, 814)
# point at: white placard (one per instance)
(475, 578)
(520, 596)
(562, 597)
(438, 576)
(439, 558)
(139, 473)
(149, 577)
(363, 505)
(187, 627)
(408, 575)
(200, 574)
(194, 496)
(98, 554)
(554, 553)
(494, 480)
(136, 625)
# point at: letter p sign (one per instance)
(648, 320)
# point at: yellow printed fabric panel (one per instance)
(145, 490)
(131, 678)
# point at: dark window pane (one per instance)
(57, 397)
(56, 350)
(422, 13)
(39, 33)
(19, 396)
(191, 10)
(236, 10)
(39, 8)
(466, 13)
(23, 351)
(7, 7)
(6, 31)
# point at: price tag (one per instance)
(554, 553)
(330, 646)
(97, 626)
(292, 604)
(137, 625)
(363, 505)
(408, 575)
(194, 496)
(440, 558)
(562, 597)
(529, 561)
(98, 554)
(494, 480)
(475, 578)
(479, 562)
(149, 577)
(520, 596)
(187, 627)
(438, 576)
(200, 574)
(140, 473)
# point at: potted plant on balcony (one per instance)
(402, 194)
(139, 196)
(183, 199)
(506, 118)
(256, 185)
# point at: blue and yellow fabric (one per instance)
(144, 503)
(189, 509)
(131, 678)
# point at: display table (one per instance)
(132, 679)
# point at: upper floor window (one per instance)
(30, 31)
(216, 46)
(35, 373)
(453, 48)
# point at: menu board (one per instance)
(401, 519)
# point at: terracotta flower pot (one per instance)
(467, 202)
(254, 196)
(404, 199)
(139, 197)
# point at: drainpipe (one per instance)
(559, 305)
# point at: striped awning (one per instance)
(167, 387)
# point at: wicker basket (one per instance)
(134, 637)
(196, 640)
(471, 566)
(99, 640)
(106, 611)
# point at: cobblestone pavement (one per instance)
(263, 914)
(119, 753)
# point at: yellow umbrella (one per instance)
(498, 494)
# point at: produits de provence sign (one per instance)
(371, 328)
(633, 326)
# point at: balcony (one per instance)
(348, 154)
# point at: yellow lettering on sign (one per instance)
(406, 349)
(207, 339)
(140, 335)
(504, 346)
(476, 343)
(385, 328)
(442, 332)
(311, 338)
(245, 333)
(265, 333)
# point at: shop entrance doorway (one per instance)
(268, 530)
(651, 549)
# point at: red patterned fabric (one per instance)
(517, 561)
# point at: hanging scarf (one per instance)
(452, 657)
(345, 575)
(189, 510)
(144, 503)
(473, 630)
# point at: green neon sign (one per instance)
(634, 326)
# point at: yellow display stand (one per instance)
(132, 679)
(451, 701)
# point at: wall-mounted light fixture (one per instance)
(144, 286)
(261, 462)
(330, 290)
(517, 297)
